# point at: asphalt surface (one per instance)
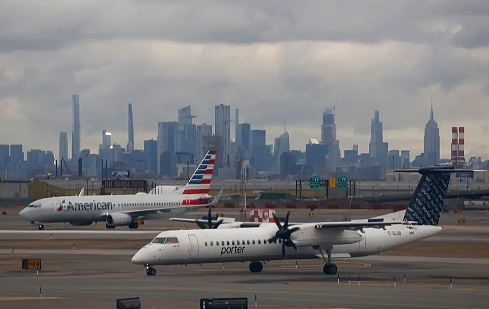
(98, 271)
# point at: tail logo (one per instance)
(60, 208)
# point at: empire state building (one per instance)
(431, 141)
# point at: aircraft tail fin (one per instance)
(426, 204)
(200, 182)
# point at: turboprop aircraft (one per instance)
(275, 241)
(120, 210)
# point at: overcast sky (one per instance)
(279, 61)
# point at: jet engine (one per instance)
(118, 219)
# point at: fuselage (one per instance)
(86, 209)
(252, 244)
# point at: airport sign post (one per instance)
(465, 174)
(332, 182)
(342, 182)
(315, 182)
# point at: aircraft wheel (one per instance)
(330, 269)
(109, 226)
(150, 271)
(41, 227)
(256, 267)
(133, 225)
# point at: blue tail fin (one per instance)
(426, 204)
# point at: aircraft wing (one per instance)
(223, 219)
(142, 212)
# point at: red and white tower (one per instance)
(457, 146)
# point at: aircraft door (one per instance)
(194, 246)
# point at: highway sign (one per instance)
(332, 182)
(315, 182)
(342, 182)
(465, 174)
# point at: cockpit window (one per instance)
(34, 206)
(159, 240)
(165, 240)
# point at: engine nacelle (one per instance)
(117, 219)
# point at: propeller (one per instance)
(284, 233)
(209, 224)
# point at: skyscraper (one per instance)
(202, 130)
(167, 140)
(186, 131)
(431, 141)
(377, 148)
(63, 146)
(151, 154)
(130, 129)
(281, 145)
(223, 129)
(75, 136)
(328, 128)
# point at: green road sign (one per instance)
(315, 182)
(342, 182)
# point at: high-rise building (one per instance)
(223, 129)
(377, 148)
(215, 142)
(106, 140)
(186, 130)
(328, 127)
(167, 139)
(63, 146)
(237, 121)
(4, 156)
(405, 158)
(16, 153)
(151, 155)
(243, 137)
(431, 141)
(75, 137)
(202, 130)
(130, 129)
(281, 145)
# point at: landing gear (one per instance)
(133, 225)
(329, 268)
(256, 267)
(150, 270)
(41, 227)
(110, 226)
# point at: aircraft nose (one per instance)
(23, 213)
(143, 256)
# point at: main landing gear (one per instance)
(329, 268)
(256, 267)
(41, 227)
(150, 270)
(133, 225)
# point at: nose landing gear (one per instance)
(150, 270)
(41, 227)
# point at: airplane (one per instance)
(214, 243)
(120, 210)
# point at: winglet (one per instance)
(216, 199)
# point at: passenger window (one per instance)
(228, 242)
(232, 242)
(253, 241)
(237, 242)
(259, 241)
(212, 243)
(206, 243)
(248, 242)
(217, 243)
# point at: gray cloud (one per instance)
(278, 61)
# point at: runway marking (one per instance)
(27, 298)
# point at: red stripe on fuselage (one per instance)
(196, 191)
(208, 171)
(205, 181)
(194, 202)
(212, 161)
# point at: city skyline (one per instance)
(272, 72)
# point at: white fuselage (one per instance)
(251, 244)
(87, 209)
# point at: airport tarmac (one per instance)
(98, 270)
(95, 280)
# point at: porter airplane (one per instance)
(119, 210)
(274, 241)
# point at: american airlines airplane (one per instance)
(219, 243)
(119, 210)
